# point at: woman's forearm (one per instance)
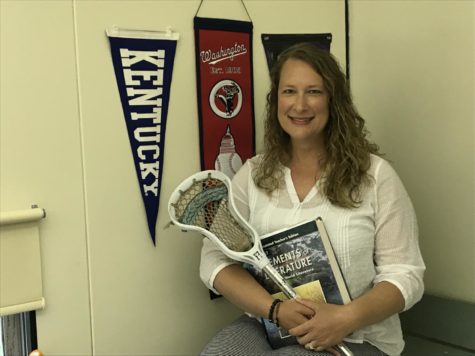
(379, 303)
(241, 289)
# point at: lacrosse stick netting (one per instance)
(203, 203)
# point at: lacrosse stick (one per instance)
(203, 203)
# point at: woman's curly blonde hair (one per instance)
(347, 158)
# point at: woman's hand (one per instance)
(291, 313)
(331, 323)
(327, 328)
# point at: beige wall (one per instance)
(41, 160)
(64, 146)
(413, 78)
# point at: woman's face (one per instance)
(302, 102)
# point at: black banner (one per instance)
(275, 44)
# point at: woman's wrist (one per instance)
(351, 317)
(276, 314)
(272, 315)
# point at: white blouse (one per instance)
(378, 241)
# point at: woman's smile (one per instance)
(300, 120)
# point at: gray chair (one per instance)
(246, 337)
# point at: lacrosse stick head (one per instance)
(203, 203)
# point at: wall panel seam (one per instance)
(83, 171)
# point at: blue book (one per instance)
(304, 256)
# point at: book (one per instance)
(304, 256)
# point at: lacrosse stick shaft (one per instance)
(281, 282)
(291, 294)
(345, 350)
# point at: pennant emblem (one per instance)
(143, 65)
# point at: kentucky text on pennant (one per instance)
(147, 132)
(143, 69)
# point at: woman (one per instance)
(317, 161)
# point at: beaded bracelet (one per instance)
(272, 308)
(277, 314)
